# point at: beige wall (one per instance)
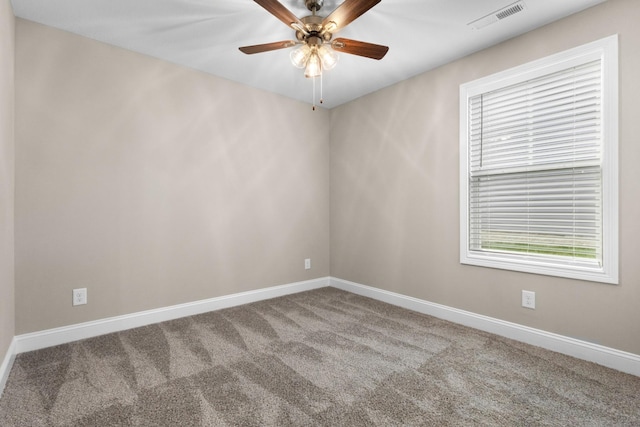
(395, 198)
(152, 184)
(7, 23)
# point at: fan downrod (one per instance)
(314, 5)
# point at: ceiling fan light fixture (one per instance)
(314, 66)
(300, 56)
(317, 50)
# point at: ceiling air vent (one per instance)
(498, 15)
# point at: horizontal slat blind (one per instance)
(535, 167)
(551, 120)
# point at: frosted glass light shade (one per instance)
(328, 56)
(314, 66)
(300, 56)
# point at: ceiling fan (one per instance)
(314, 35)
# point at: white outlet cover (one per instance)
(79, 296)
(529, 299)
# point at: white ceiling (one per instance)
(205, 35)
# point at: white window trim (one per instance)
(607, 50)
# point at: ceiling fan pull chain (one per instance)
(321, 100)
(314, 93)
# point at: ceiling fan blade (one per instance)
(258, 48)
(276, 8)
(355, 47)
(346, 13)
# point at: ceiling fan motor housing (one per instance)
(313, 25)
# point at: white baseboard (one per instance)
(609, 357)
(7, 363)
(66, 334)
(612, 358)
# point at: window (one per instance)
(538, 166)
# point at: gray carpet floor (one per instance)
(323, 357)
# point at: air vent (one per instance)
(498, 15)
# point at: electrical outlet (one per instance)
(80, 296)
(307, 264)
(529, 299)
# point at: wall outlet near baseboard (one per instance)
(80, 296)
(307, 264)
(529, 299)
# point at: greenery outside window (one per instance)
(538, 166)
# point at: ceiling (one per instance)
(205, 35)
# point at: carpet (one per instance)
(319, 358)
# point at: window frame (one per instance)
(606, 50)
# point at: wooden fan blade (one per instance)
(355, 47)
(346, 13)
(276, 8)
(258, 48)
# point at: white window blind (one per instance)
(539, 166)
(535, 176)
